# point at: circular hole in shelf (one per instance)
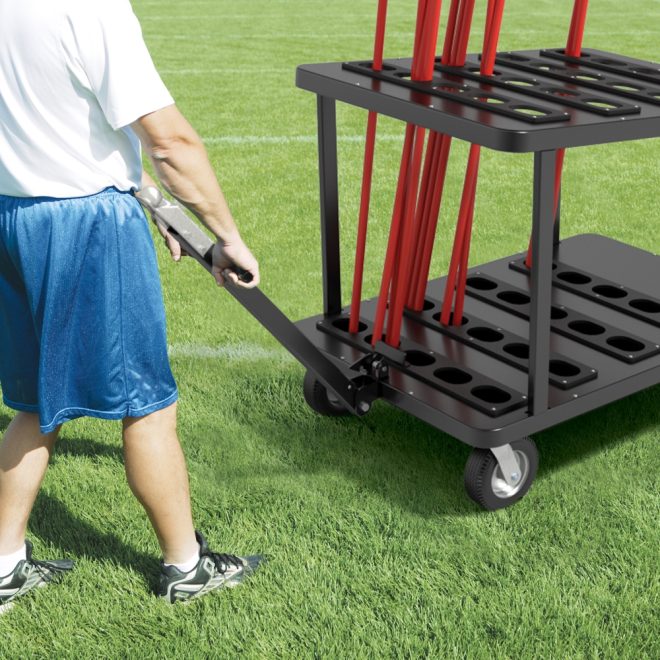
(483, 333)
(557, 314)
(514, 297)
(590, 77)
(520, 351)
(609, 291)
(572, 277)
(607, 62)
(464, 320)
(428, 304)
(491, 394)
(626, 344)
(586, 327)
(419, 358)
(563, 92)
(368, 339)
(481, 283)
(648, 71)
(453, 376)
(646, 306)
(342, 324)
(563, 369)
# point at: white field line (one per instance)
(236, 353)
(274, 36)
(252, 70)
(291, 139)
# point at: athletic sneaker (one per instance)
(29, 574)
(213, 571)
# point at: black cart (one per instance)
(579, 331)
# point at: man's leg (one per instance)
(157, 474)
(24, 455)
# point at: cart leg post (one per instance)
(541, 280)
(508, 463)
(327, 132)
(557, 227)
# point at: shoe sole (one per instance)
(230, 584)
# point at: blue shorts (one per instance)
(82, 320)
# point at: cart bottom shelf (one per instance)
(471, 382)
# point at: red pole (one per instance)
(459, 239)
(392, 244)
(450, 34)
(428, 242)
(399, 287)
(367, 178)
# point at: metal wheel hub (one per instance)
(500, 487)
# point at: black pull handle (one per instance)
(243, 275)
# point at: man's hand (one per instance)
(172, 244)
(234, 253)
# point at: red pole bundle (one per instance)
(573, 49)
(454, 54)
(367, 177)
(456, 278)
(398, 258)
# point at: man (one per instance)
(82, 322)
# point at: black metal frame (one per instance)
(546, 406)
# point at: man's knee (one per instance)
(159, 418)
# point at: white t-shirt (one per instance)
(73, 75)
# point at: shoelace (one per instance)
(224, 561)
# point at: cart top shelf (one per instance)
(537, 99)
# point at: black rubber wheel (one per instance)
(485, 484)
(319, 399)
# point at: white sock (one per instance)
(187, 566)
(9, 562)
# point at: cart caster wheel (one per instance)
(319, 399)
(485, 483)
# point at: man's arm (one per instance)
(182, 165)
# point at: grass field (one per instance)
(375, 549)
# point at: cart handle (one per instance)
(353, 393)
(180, 227)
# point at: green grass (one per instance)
(375, 550)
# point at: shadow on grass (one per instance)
(579, 438)
(420, 469)
(4, 422)
(86, 447)
(55, 524)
